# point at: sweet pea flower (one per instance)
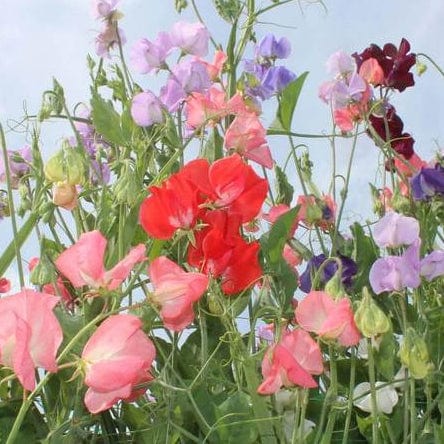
(82, 263)
(191, 38)
(18, 161)
(386, 397)
(5, 285)
(319, 313)
(116, 360)
(291, 362)
(246, 135)
(146, 109)
(393, 273)
(103, 8)
(147, 56)
(340, 64)
(30, 334)
(394, 230)
(215, 67)
(272, 48)
(108, 38)
(432, 265)
(428, 182)
(175, 291)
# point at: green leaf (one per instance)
(365, 254)
(106, 120)
(283, 188)
(230, 416)
(287, 104)
(213, 148)
(385, 355)
(9, 253)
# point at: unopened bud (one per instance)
(369, 318)
(42, 273)
(67, 165)
(414, 354)
(64, 195)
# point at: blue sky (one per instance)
(46, 38)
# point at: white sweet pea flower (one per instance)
(386, 397)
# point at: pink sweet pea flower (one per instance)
(215, 68)
(103, 8)
(117, 359)
(291, 362)
(5, 285)
(246, 135)
(30, 334)
(175, 291)
(371, 71)
(191, 38)
(394, 230)
(107, 39)
(319, 313)
(82, 263)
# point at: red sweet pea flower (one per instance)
(291, 362)
(82, 263)
(30, 334)
(319, 313)
(237, 187)
(171, 206)
(5, 285)
(117, 358)
(175, 291)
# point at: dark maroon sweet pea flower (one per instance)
(428, 182)
(395, 63)
(400, 142)
(349, 270)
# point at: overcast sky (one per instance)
(46, 38)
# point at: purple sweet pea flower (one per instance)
(340, 64)
(19, 161)
(191, 38)
(86, 130)
(428, 182)
(146, 109)
(349, 270)
(100, 173)
(188, 76)
(103, 8)
(393, 273)
(108, 38)
(271, 48)
(394, 230)
(276, 79)
(432, 265)
(147, 56)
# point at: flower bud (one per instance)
(421, 68)
(67, 165)
(64, 195)
(127, 188)
(369, 318)
(334, 286)
(42, 273)
(414, 354)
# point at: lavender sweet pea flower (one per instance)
(394, 230)
(271, 48)
(432, 265)
(428, 182)
(103, 8)
(340, 64)
(19, 161)
(107, 39)
(349, 270)
(393, 273)
(188, 76)
(146, 109)
(147, 56)
(276, 79)
(191, 38)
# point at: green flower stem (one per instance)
(247, 32)
(372, 377)
(122, 60)
(413, 417)
(304, 396)
(406, 407)
(11, 208)
(344, 192)
(351, 387)
(297, 414)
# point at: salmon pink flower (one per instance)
(30, 334)
(215, 68)
(175, 291)
(291, 362)
(117, 359)
(82, 263)
(246, 135)
(319, 313)
(371, 71)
